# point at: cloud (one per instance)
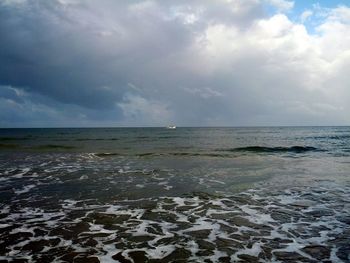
(305, 16)
(12, 2)
(140, 111)
(19, 108)
(341, 14)
(281, 5)
(224, 62)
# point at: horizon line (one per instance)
(126, 127)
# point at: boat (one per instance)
(171, 127)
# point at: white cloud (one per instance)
(305, 16)
(279, 60)
(341, 13)
(281, 5)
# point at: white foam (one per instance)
(217, 254)
(34, 175)
(294, 246)
(203, 224)
(96, 228)
(334, 257)
(193, 247)
(255, 216)
(165, 184)
(179, 201)
(216, 181)
(253, 251)
(68, 203)
(110, 251)
(161, 251)
(168, 187)
(286, 199)
(25, 189)
(23, 229)
(141, 229)
(23, 172)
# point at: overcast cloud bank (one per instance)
(197, 63)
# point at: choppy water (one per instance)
(184, 195)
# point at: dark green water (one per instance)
(184, 195)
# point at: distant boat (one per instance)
(171, 127)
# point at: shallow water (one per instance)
(185, 195)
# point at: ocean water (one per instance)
(277, 194)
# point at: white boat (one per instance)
(171, 127)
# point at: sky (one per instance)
(110, 63)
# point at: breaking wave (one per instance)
(264, 149)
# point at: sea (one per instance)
(250, 194)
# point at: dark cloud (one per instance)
(82, 55)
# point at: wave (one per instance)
(53, 146)
(340, 137)
(15, 138)
(36, 147)
(157, 137)
(106, 154)
(167, 137)
(154, 154)
(332, 137)
(264, 149)
(8, 146)
(114, 154)
(220, 153)
(200, 154)
(142, 137)
(96, 139)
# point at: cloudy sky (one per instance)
(190, 63)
